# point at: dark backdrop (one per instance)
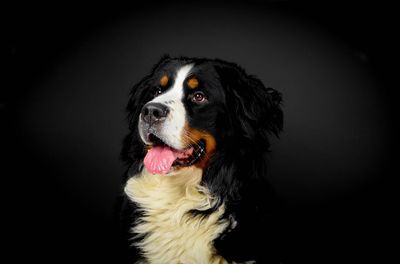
(67, 74)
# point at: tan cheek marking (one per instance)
(164, 80)
(193, 83)
(197, 135)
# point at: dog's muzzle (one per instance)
(154, 113)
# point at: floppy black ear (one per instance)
(254, 110)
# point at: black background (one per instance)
(67, 74)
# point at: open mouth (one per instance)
(161, 158)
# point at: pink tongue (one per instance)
(159, 160)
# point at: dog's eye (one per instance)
(198, 97)
(158, 91)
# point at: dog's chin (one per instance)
(162, 158)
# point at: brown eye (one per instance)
(199, 97)
(157, 91)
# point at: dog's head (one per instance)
(188, 110)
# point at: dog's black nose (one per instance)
(154, 112)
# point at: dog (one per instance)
(196, 190)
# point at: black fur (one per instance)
(241, 114)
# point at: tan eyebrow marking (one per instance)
(164, 80)
(193, 83)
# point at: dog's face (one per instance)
(188, 109)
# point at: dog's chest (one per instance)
(171, 234)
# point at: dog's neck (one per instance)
(171, 233)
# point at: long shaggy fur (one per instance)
(215, 214)
(170, 233)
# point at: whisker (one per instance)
(187, 135)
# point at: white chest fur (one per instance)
(171, 235)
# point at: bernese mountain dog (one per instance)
(196, 188)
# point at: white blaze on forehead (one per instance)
(175, 93)
(174, 125)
